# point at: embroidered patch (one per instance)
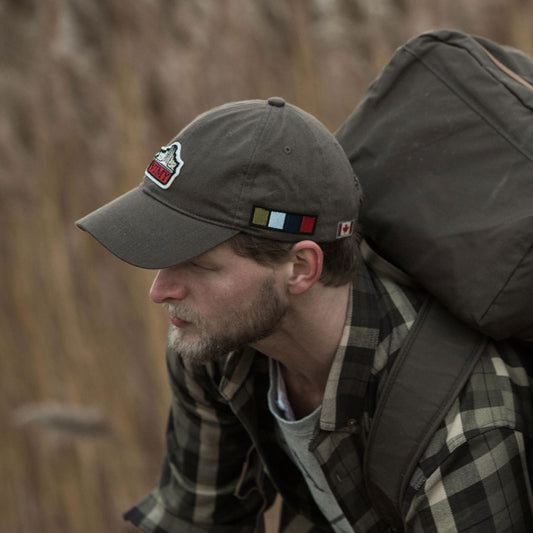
(165, 166)
(281, 221)
(345, 229)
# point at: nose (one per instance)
(168, 285)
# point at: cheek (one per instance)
(213, 298)
(231, 294)
(232, 291)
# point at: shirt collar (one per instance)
(379, 315)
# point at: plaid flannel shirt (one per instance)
(224, 463)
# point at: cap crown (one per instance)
(265, 168)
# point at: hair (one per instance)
(341, 257)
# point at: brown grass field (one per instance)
(89, 91)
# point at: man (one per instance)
(281, 337)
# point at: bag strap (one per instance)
(432, 367)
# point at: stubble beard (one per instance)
(236, 327)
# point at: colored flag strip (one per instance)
(281, 221)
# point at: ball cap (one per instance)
(265, 168)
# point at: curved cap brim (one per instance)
(146, 233)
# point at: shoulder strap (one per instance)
(432, 367)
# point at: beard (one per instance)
(207, 340)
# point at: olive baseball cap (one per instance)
(265, 168)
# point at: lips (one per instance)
(179, 323)
(177, 314)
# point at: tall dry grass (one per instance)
(89, 90)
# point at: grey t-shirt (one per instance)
(296, 436)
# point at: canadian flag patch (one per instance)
(345, 229)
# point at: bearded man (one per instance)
(281, 338)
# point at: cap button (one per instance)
(276, 101)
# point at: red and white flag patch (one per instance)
(345, 229)
(165, 166)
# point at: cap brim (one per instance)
(146, 233)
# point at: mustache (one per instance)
(181, 311)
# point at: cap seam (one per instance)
(325, 190)
(251, 163)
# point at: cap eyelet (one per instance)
(287, 150)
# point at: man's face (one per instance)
(218, 302)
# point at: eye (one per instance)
(200, 266)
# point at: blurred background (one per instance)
(89, 91)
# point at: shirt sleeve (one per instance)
(475, 476)
(483, 486)
(210, 473)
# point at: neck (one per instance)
(306, 342)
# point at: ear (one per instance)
(306, 266)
